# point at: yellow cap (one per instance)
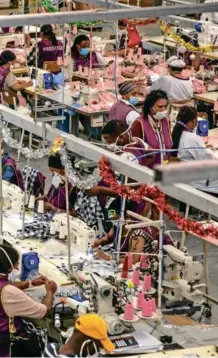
(95, 327)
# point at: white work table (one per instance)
(208, 97)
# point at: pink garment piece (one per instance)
(75, 30)
(11, 30)
(21, 101)
(128, 312)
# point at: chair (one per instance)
(51, 66)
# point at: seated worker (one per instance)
(124, 109)
(55, 200)
(177, 87)
(80, 53)
(10, 172)
(117, 132)
(7, 80)
(15, 304)
(48, 49)
(89, 336)
(138, 241)
(185, 140)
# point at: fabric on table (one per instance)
(39, 228)
(88, 208)
(35, 181)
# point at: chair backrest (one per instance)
(51, 66)
(9, 97)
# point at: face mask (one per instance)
(160, 115)
(84, 51)
(14, 275)
(134, 100)
(96, 354)
(56, 180)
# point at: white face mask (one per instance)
(56, 180)
(96, 354)
(160, 115)
(14, 275)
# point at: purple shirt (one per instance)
(84, 61)
(48, 52)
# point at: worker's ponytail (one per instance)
(47, 31)
(185, 115)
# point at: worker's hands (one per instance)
(41, 280)
(51, 286)
(100, 255)
(50, 207)
(29, 83)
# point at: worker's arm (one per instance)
(100, 190)
(20, 85)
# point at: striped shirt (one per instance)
(51, 350)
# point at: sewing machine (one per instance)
(82, 236)
(13, 197)
(89, 95)
(17, 39)
(180, 274)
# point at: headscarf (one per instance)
(126, 87)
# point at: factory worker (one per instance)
(47, 50)
(83, 204)
(118, 133)
(124, 109)
(7, 80)
(139, 241)
(89, 336)
(10, 172)
(80, 53)
(153, 126)
(185, 140)
(15, 304)
(177, 87)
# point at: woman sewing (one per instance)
(15, 305)
(177, 87)
(84, 204)
(7, 80)
(124, 109)
(10, 172)
(80, 53)
(190, 146)
(153, 127)
(48, 49)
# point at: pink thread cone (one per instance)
(128, 313)
(59, 61)
(144, 262)
(145, 283)
(135, 277)
(147, 309)
(11, 30)
(130, 261)
(80, 69)
(153, 303)
(140, 300)
(149, 282)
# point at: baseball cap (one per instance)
(95, 327)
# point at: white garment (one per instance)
(177, 89)
(192, 140)
(132, 115)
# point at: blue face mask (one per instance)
(84, 51)
(134, 100)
